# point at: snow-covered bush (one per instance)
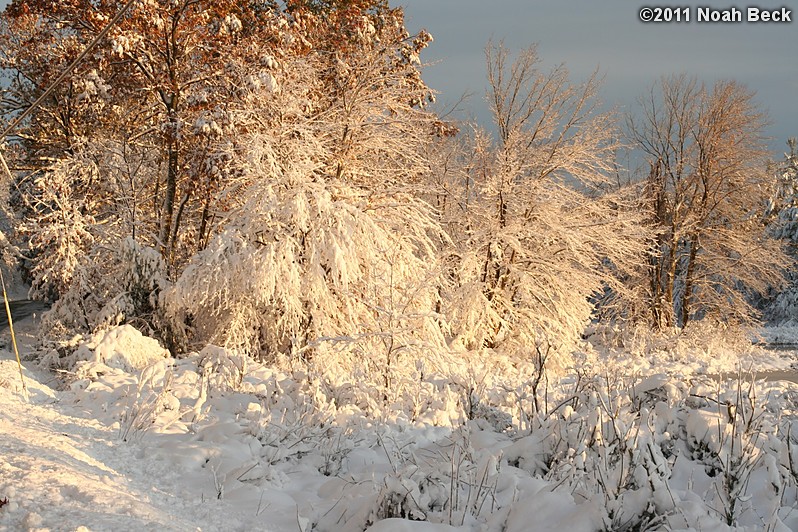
(327, 254)
(141, 278)
(81, 217)
(150, 398)
(60, 228)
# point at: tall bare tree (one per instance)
(706, 193)
(543, 226)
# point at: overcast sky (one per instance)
(607, 34)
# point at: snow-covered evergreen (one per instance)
(783, 210)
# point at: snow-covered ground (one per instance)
(130, 440)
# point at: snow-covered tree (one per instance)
(706, 196)
(543, 227)
(146, 87)
(327, 247)
(783, 225)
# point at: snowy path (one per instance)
(70, 469)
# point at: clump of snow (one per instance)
(231, 25)
(122, 347)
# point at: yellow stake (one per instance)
(13, 338)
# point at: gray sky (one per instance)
(607, 34)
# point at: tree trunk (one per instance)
(170, 190)
(205, 222)
(670, 282)
(687, 297)
(655, 273)
(656, 189)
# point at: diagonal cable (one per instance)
(14, 123)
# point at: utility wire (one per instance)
(14, 123)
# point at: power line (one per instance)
(14, 123)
